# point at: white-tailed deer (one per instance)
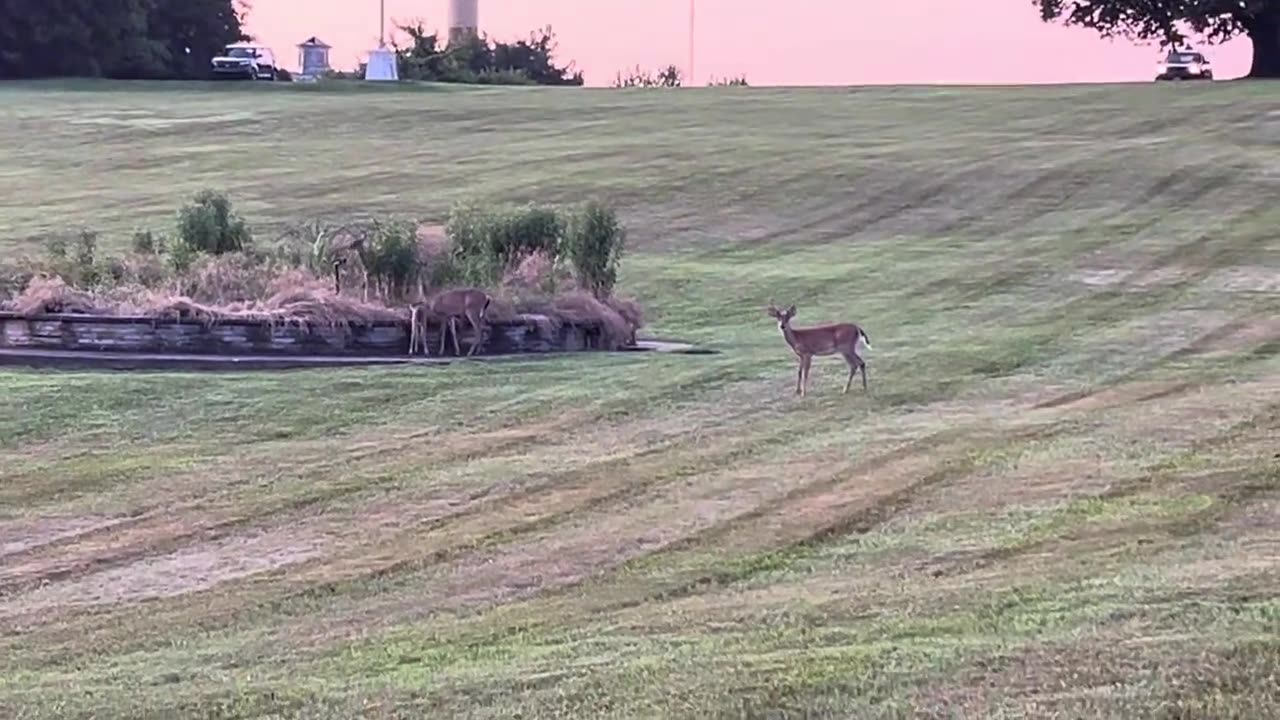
(845, 339)
(450, 305)
(418, 313)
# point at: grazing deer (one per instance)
(465, 302)
(842, 338)
(418, 328)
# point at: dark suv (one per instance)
(1184, 66)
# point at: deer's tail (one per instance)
(485, 309)
(863, 339)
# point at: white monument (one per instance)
(382, 66)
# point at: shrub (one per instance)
(208, 225)
(668, 77)
(537, 271)
(519, 232)
(593, 245)
(313, 244)
(489, 243)
(74, 262)
(388, 250)
(144, 242)
(226, 278)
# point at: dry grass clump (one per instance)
(294, 298)
(631, 312)
(535, 271)
(225, 279)
(581, 309)
(45, 295)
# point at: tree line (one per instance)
(126, 39)
(137, 39)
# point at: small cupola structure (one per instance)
(313, 57)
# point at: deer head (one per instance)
(782, 316)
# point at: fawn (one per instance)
(467, 302)
(843, 338)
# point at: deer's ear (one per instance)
(791, 310)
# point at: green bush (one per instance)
(389, 251)
(489, 242)
(75, 262)
(210, 226)
(593, 245)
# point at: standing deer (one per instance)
(418, 313)
(449, 306)
(842, 338)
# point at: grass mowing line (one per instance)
(794, 635)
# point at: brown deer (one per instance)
(842, 338)
(452, 304)
(418, 313)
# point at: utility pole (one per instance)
(382, 23)
(691, 18)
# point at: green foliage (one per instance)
(1162, 20)
(312, 245)
(115, 38)
(489, 241)
(593, 245)
(209, 225)
(736, 81)
(79, 264)
(668, 77)
(388, 249)
(76, 262)
(478, 60)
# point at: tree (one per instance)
(192, 32)
(477, 59)
(1164, 20)
(114, 38)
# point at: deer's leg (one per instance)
(475, 335)
(799, 374)
(805, 364)
(853, 370)
(453, 330)
(863, 365)
(413, 330)
(481, 332)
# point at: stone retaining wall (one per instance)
(102, 333)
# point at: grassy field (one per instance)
(1061, 497)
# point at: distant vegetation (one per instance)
(129, 39)
(480, 60)
(668, 77)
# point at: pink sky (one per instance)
(774, 42)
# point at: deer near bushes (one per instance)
(845, 339)
(450, 305)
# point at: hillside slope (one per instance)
(1061, 497)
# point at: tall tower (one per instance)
(464, 20)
